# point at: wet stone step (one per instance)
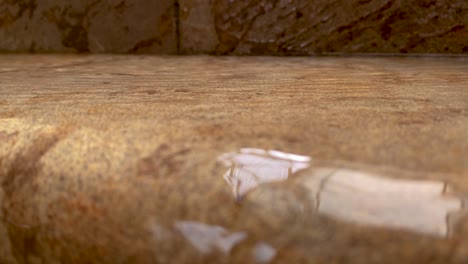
(141, 159)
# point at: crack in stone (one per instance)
(177, 24)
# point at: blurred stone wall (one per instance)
(111, 26)
(254, 27)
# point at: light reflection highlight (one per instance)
(357, 196)
(251, 167)
(208, 238)
(263, 252)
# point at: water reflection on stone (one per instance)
(208, 238)
(263, 252)
(356, 196)
(419, 206)
(251, 167)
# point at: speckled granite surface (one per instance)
(118, 159)
(254, 27)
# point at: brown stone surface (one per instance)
(293, 27)
(113, 26)
(116, 159)
(274, 27)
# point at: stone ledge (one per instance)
(109, 159)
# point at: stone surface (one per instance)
(274, 27)
(298, 27)
(103, 157)
(113, 26)
(197, 30)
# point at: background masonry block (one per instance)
(301, 27)
(111, 26)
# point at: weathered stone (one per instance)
(273, 27)
(298, 27)
(197, 29)
(102, 158)
(115, 26)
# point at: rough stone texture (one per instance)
(298, 27)
(111, 26)
(197, 30)
(273, 27)
(100, 156)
